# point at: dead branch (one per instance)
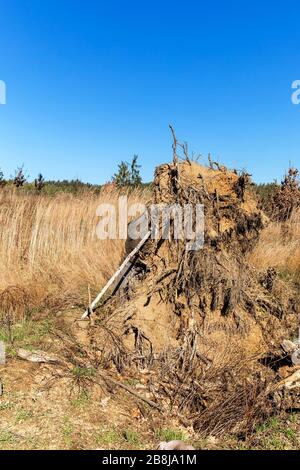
(123, 266)
(132, 392)
(175, 157)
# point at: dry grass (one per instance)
(49, 251)
(50, 254)
(279, 247)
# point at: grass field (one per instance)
(49, 257)
(49, 250)
(279, 247)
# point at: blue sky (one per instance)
(90, 83)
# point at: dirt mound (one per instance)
(205, 323)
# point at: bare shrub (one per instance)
(286, 198)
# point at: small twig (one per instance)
(185, 151)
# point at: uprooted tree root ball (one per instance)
(204, 325)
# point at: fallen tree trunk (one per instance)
(91, 307)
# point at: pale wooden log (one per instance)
(38, 356)
(89, 311)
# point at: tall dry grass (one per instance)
(279, 247)
(49, 251)
(50, 254)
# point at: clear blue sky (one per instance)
(90, 83)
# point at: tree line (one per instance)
(127, 175)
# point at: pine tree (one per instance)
(128, 174)
(20, 178)
(135, 177)
(39, 182)
(2, 180)
(122, 177)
